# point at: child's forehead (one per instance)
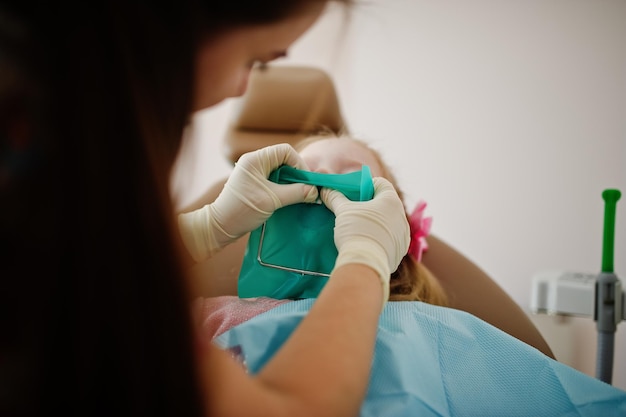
(333, 144)
(344, 148)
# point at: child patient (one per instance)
(429, 360)
(332, 154)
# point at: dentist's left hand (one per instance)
(247, 200)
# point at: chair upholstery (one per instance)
(282, 104)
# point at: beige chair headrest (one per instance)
(283, 104)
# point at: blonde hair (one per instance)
(412, 281)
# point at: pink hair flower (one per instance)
(420, 228)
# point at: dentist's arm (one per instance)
(323, 369)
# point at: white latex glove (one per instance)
(247, 200)
(374, 233)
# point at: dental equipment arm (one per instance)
(609, 298)
(598, 296)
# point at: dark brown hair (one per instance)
(94, 97)
(412, 281)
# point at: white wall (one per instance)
(509, 118)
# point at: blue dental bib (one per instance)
(292, 254)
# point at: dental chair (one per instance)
(289, 103)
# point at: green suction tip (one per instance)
(610, 197)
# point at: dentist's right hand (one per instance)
(374, 233)
(247, 200)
